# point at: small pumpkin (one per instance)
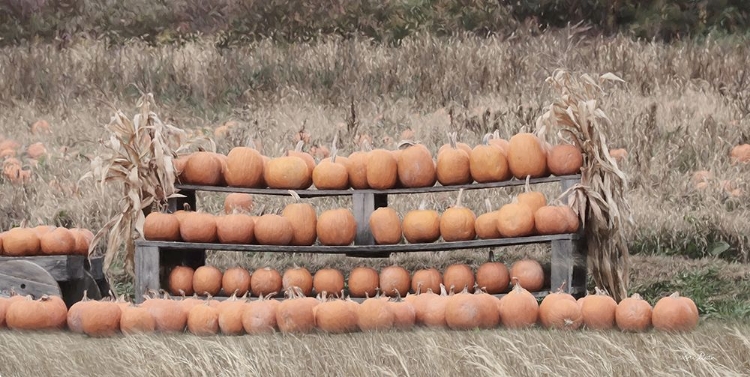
(394, 280)
(416, 168)
(493, 277)
(457, 223)
(458, 277)
(303, 220)
(236, 228)
(363, 282)
(453, 164)
(335, 316)
(381, 169)
(207, 280)
(328, 280)
(529, 274)
(560, 311)
(287, 172)
(265, 281)
(238, 202)
(487, 163)
(375, 315)
(675, 313)
(740, 154)
(203, 320)
(485, 225)
(181, 281)
(244, 168)
(203, 168)
(519, 308)
(564, 159)
(421, 225)
(385, 226)
(230, 315)
(330, 175)
(21, 241)
(357, 167)
(336, 227)
(235, 281)
(198, 227)
(46, 313)
(515, 220)
(555, 220)
(295, 314)
(526, 156)
(259, 316)
(297, 278)
(273, 229)
(426, 279)
(533, 199)
(633, 314)
(598, 311)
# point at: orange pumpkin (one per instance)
(328, 280)
(598, 311)
(161, 227)
(21, 242)
(363, 282)
(181, 281)
(237, 228)
(306, 157)
(297, 278)
(382, 169)
(288, 172)
(633, 314)
(457, 222)
(453, 165)
(394, 280)
(198, 227)
(493, 277)
(526, 156)
(740, 154)
(244, 167)
(416, 168)
(303, 220)
(426, 280)
(519, 308)
(421, 225)
(207, 280)
(335, 316)
(560, 311)
(458, 277)
(528, 273)
(265, 281)
(336, 227)
(273, 229)
(375, 315)
(564, 159)
(236, 281)
(675, 313)
(487, 163)
(57, 242)
(515, 220)
(259, 316)
(385, 226)
(331, 175)
(485, 225)
(203, 168)
(555, 220)
(238, 202)
(357, 167)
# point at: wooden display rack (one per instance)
(155, 259)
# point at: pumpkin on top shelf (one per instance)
(453, 164)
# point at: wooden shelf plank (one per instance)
(60, 267)
(435, 246)
(436, 188)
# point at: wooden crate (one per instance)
(155, 259)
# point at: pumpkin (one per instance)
(236, 228)
(330, 175)
(499, 143)
(101, 319)
(487, 163)
(181, 281)
(429, 308)
(485, 225)
(58, 242)
(336, 227)
(83, 238)
(203, 320)
(21, 241)
(46, 313)
(416, 168)
(381, 169)
(493, 277)
(179, 164)
(207, 281)
(306, 157)
(303, 220)
(363, 282)
(458, 277)
(515, 220)
(273, 229)
(357, 168)
(421, 225)
(529, 274)
(238, 202)
(335, 316)
(244, 168)
(1, 242)
(36, 150)
(74, 318)
(394, 280)
(265, 281)
(560, 311)
(5, 303)
(169, 316)
(385, 226)
(288, 172)
(740, 154)
(295, 314)
(426, 279)
(526, 156)
(198, 227)
(453, 165)
(463, 311)
(235, 281)
(134, 320)
(519, 308)
(404, 315)
(675, 313)
(297, 277)
(259, 316)
(203, 168)
(633, 314)
(457, 222)
(328, 280)
(598, 311)
(564, 159)
(375, 315)
(618, 154)
(230, 315)
(533, 199)
(555, 220)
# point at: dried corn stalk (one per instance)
(599, 200)
(138, 158)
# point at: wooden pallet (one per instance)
(154, 259)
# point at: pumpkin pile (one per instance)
(45, 240)
(410, 165)
(298, 313)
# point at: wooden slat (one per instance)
(436, 188)
(27, 278)
(96, 267)
(435, 246)
(146, 270)
(60, 267)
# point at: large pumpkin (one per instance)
(375, 315)
(303, 220)
(207, 280)
(381, 170)
(198, 227)
(273, 229)
(487, 163)
(244, 167)
(331, 175)
(519, 308)
(46, 313)
(287, 172)
(336, 227)
(416, 168)
(385, 226)
(633, 314)
(58, 242)
(564, 159)
(20, 242)
(161, 227)
(515, 220)
(453, 165)
(675, 313)
(357, 168)
(181, 281)
(335, 316)
(295, 314)
(421, 225)
(457, 222)
(203, 168)
(237, 228)
(526, 156)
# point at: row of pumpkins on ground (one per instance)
(412, 165)
(303, 314)
(492, 277)
(299, 225)
(45, 240)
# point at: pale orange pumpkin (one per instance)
(493, 277)
(357, 167)
(265, 281)
(287, 172)
(598, 311)
(394, 280)
(564, 159)
(58, 242)
(331, 175)
(295, 314)
(244, 167)
(519, 308)
(453, 165)
(381, 169)
(238, 202)
(336, 227)
(555, 220)
(416, 168)
(675, 313)
(299, 278)
(457, 277)
(740, 154)
(526, 156)
(385, 226)
(485, 225)
(421, 225)
(375, 315)
(363, 282)
(560, 311)
(207, 280)
(426, 280)
(303, 220)
(633, 314)
(181, 281)
(515, 220)
(487, 163)
(236, 228)
(198, 227)
(235, 281)
(457, 223)
(328, 280)
(273, 229)
(203, 168)
(335, 316)
(529, 274)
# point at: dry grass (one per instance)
(712, 350)
(682, 107)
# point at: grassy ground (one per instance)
(714, 349)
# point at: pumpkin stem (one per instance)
(496, 134)
(491, 256)
(398, 295)
(334, 153)
(675, 295)
(636, 296)
(517, 285)
(527, 186)
(443, 292)
(488, 204)
(403, 144)
(423, 205)
(486, 138)
(601, 292)
(186, 207)
(298, 147)
(453, 139)
(560, 289)
(294, 195)
(250, 143)
(458, 198)
(270, 295)
(365, 146)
